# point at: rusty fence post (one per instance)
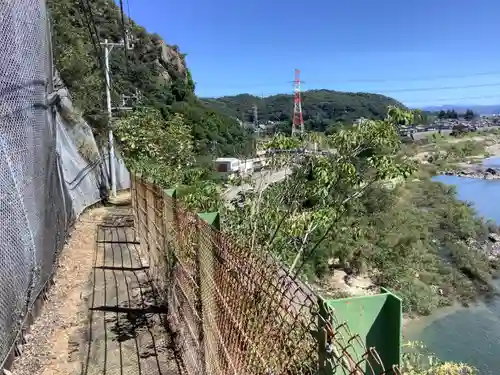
(141, 216)
(208, 287)
(168, 228)
(160, 239)
(135, 205)
(132, 194)
(150, 202)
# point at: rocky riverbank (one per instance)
(491, 246)
(474, 171)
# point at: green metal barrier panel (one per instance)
(377, 319)
(171, 193)
(212, 218)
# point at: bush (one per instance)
(417, 360)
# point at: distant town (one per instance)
(449, 125)
(461, 123)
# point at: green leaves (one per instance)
(417, 360)
(282, 142)
(300, 213)
(353, 204)
(149, 142)
(324, 110)
(166, 86)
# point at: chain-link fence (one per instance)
(45, 179)
(31, 214)
(235, 312)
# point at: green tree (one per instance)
(417, 360)
(321, 108)
(420, 117)
(451, 114)
(469, 115)
(153, 67)
(353, 205)
(154, 147)
(296, 218)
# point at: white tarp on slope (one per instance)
(121, 171)
(85, 167)
(81, 177)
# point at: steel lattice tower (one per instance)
(297, 121)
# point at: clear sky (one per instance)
(412, 50)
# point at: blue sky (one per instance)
(412, 50)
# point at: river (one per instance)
(470, 335)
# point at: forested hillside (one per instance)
(322, 109)
(156, 69)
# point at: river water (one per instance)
(470, 335)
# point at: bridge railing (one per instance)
(231, 311)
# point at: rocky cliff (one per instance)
(153, 67)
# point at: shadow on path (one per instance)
(126, 333)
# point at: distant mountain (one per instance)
(481, 109)
(322, 109)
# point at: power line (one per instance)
(94, 36)
(365, 80)
(414, 89)
(439, 88)
(93, 26)
(417, 78)
(128, 10)
(124, 33)
(451, 100)
(97, 47)
(348, 108)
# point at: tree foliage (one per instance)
(154, 68)
(352, 205)
(322, 109)
(452, 114)
(159, 149)
(416, 360)
(296, 218)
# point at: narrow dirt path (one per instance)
(102, 315)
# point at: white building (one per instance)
(227, 165)
(234, 165)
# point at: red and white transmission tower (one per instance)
(298, 121)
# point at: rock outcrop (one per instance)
(475, 171)
(171, 58)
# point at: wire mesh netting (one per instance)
(45, 180)
(27, 159)
(236, 312)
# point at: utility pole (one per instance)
(108, 47)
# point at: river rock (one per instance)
(494, 237)
(333, 262)
(490, 171)
(473, 174)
